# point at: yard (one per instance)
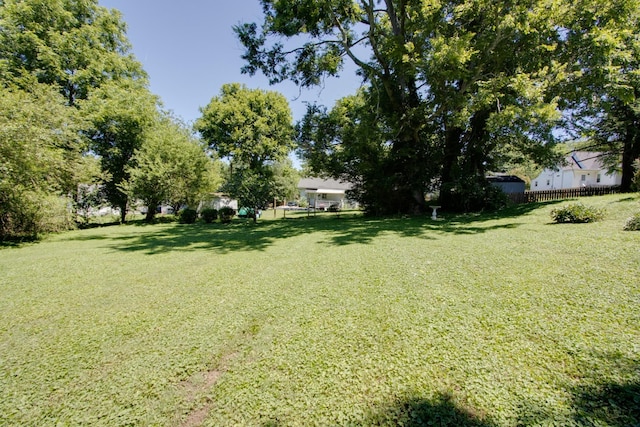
(476, 320)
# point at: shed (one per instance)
(507, 183)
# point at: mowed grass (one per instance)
(476, 320)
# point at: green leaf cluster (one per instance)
(253, 130)
(249, 126)
(54, 56)
(577, 213)
(171, 167)
(38, 160)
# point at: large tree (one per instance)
(475, 74)
(121, 116)
(72, 48)
(37, 165)
(603, 90)
(253, 129)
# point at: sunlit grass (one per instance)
(335, 320)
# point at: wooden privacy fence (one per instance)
(567, 193)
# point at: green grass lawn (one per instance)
(477, 320)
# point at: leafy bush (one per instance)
(209, 215)
(28, 214)
(226, 213)
(577, 213)
(633, 223)
(188, 216)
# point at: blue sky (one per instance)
(189, 50)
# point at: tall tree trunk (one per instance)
(630, 149)
(151, 212)
(452, 150)
(123, 212)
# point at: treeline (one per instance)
(453, 90)
(78, 125)
(80, 129)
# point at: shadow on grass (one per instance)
(608, 394)
(414, 412)
(244, 235)
(613, 404)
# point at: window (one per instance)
(583, 178)
(323, 196)
(535, 183)
(548, 182)
(598, 178)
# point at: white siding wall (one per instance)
(556, 180)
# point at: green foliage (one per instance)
(28, 214)
(226, 214)
(603, 87)
(209, 215)
(39, 153)
(70, 45)
(473, 195)
(121, 116)
(453, 89)
(171, 167)
(577, 213)
(53, 54)
(633, 223)
(188, 216)
(251, 127)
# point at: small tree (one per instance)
(253, 129)
(171, 166)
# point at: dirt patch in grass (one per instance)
(199, 384)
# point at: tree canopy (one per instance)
(253, 129)
(73, 45)
(248, 126)
(121, 116)
(54, 55)
(604, 85)
(171, 167)
(457, 88)
(37, 159)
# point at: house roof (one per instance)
(504, 178)
(331, 185)
(586, 160)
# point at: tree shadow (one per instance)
(610, 396)
(338, 230)
(443, 410)
(333, 231)
(612, 404)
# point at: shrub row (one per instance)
(208, 215)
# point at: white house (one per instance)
(580, 169)
(324, 193)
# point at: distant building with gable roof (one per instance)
(580, 169)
